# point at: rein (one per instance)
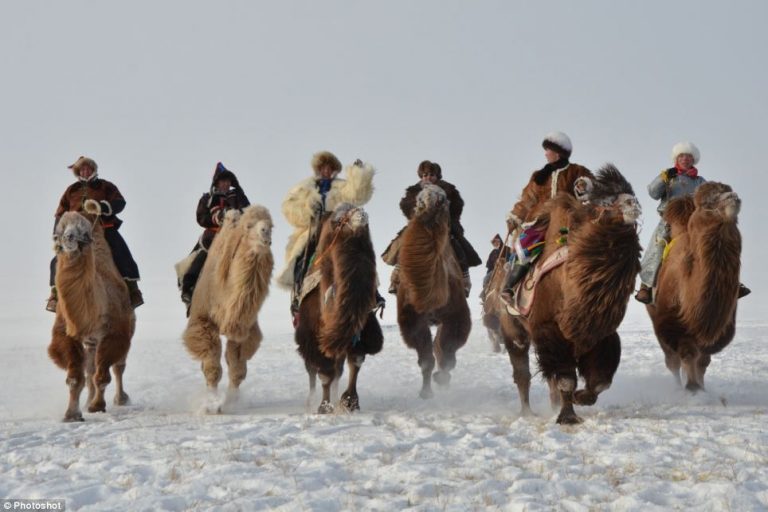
(336, 233)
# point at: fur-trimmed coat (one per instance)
(105, 192)
(211, 208)
(303, 205)
(541, 188)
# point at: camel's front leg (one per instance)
(415, 332)
(75, 383)
(90, 368)
(100, 380)
(349, 399)
(521, 374)
(121, 397)
(567, 385)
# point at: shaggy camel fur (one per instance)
(232, 287)
(336, 321)
(695, 311)
(94, 320)
(431, 291)
(578, 305)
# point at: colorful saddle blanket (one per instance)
(525, 290)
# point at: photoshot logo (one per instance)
(14, 504)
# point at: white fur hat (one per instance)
(558, 141)
(685, 148)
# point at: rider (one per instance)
(225, 194)
(111, 202)
(558, 175)
(303, 208)
(430, 173)
(678, 181)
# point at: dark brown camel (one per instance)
(336, 319)
(431, 291)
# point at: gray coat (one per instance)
(675, 187)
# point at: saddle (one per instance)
(525, 290)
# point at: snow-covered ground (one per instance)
(645, 446)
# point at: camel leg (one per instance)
(121, 397)
(312, 374)
(672, 361)
(101, 378)
(338, 372)
(238, 353)
(326, 406)
(349, 399)
(90, 369)
(521, 375)
(690, 355)
(598, 366)
(415, 332)
(567, 385)
(68, 354)
(701, 368)
(204, 344)
(450, 337)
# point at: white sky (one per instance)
(158, 92)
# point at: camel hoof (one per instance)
(584, 397)
(350, 402)
(568, 418)
(97, 407)
(527, 412)
(693, 388)
(70, 418)
(442, 378)
(426, 393)
(326, 407)
(122, 399)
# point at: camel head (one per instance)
(431, 200)
(611, 195)
(719, 198)
(73, 233)
(349, 217)
(257, 225)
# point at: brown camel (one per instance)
(431, 291)
(336, 319)
(94, 320)
(578, 305)
(232, 287)
(694, 314)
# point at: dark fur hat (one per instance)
(83, 160)
(323, 158)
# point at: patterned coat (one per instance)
(543, 186)
(105, 192)
(303, 204)
(666, 188)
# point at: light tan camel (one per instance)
(232, 287)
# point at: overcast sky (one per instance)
(158, 92)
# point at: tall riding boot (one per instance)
(467, 282)
(513, 277)
(394, 280)
(135, 294)
(53, 300)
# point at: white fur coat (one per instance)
(302, 201)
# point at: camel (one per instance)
(94, 320)
(232, 287)
(431, 290)
(336, 318)
(578, 305)
(694, 314)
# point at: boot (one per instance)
(743, 290)
(380, 305)
(394, 280)
(644, 294)
(467, 282)
(513, 277)
(52, 301)
(135, 294)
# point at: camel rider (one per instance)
(558, 175)
(304, 205)
(431, 173)
(681, 180)
(225, 194)
(111, 202)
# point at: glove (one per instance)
(92, 206)
(668, 174)
(513, 222)
(231, 198)
(358, 163)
